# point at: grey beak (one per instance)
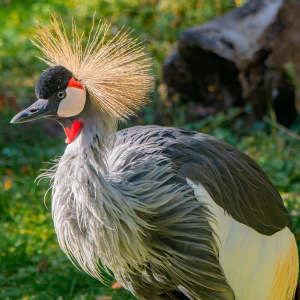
(39, 109)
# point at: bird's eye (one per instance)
(61, 95)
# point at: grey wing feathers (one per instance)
(185, 263)
(234, 180)
(182, 251)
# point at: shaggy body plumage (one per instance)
(129, 205)
(121, 204)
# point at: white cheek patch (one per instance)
(73, 104)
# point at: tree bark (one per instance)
(242, 57)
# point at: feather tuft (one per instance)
(115, 71)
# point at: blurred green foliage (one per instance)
(32, 266)
(159, 22)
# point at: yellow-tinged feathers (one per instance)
(256, 266)
(285, 274)
(115, 71)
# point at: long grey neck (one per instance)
(94, 140)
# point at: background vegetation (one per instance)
(32, 265)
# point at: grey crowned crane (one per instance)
(172, 213)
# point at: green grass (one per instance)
(32, 266)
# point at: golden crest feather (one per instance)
(115, 71)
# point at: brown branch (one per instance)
(282, 128)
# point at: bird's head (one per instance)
(60, 97)
(108, 76)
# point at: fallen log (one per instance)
(241, 57)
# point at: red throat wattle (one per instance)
(73, 132)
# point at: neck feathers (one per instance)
(99, 126)
(87, 208)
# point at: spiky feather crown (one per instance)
(115, 71)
